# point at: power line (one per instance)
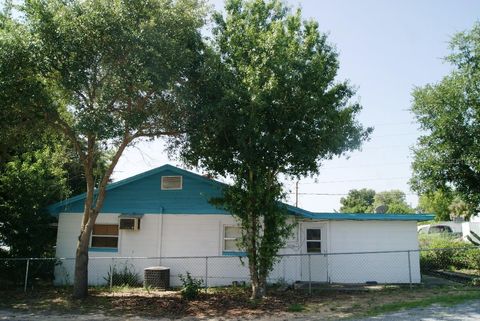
(367, 165)
(335, 194)
(384, 147)
(394, 124)
(393, 135)
(358, 180)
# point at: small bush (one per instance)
(296, 307)
(124, 276)
(191, 286)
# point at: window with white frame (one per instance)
(231, 237)
(104, 236)
(314, 240)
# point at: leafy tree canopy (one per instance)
(28, 183)
(446, 205)
(395, 200)
(437, 202)
(367, 200)
(103, 74)
(358, 201)
(459, 209)
(37, 165)
(269, 104)
(447, 155)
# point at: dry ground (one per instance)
(234, 303)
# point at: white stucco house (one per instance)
(163, 217)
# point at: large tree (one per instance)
(109, 73)
(367, 201)
(437, 202)
(28, 183)
(271, 106)
(37, 168)
(447, 155)
(358, 201)
(394, 200)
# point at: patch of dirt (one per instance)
(219, 303)
(224, 303)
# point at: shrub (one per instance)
(124, 276)
(296, 307)
(472, 257)
(450, 254)
(190, 286)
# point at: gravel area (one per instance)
(462, 312)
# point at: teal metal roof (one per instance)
(142, 194)
(371, 217)
(360, 216)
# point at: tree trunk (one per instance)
(91, 210)
(259, 289)
(80, 285)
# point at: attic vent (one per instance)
(171, 182)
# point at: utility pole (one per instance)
(296, 194)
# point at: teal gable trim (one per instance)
(233, 253)
(103, 249)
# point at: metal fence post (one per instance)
(409, 269)
(112, 270)
(309, 274)
(206, 272)
(26, 276)
(326, 265)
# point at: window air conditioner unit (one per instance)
(129, 223)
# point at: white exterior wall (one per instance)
(373, 236)
(173, 235)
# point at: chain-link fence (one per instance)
(380, 267)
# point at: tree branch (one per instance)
(106, 177)
(69, 133)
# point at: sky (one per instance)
(386, 49)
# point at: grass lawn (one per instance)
(234, 302)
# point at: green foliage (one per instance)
(123, 276)
(450, 254)
(437, 202)
(102, 73)
(104, 58)
(358, 201)
(395, 200)
(268, 104)
(21, 92)
(446, 157)
(190, 286)
(367, 200)
(459, 208)
(296, 307)
(28, 183)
